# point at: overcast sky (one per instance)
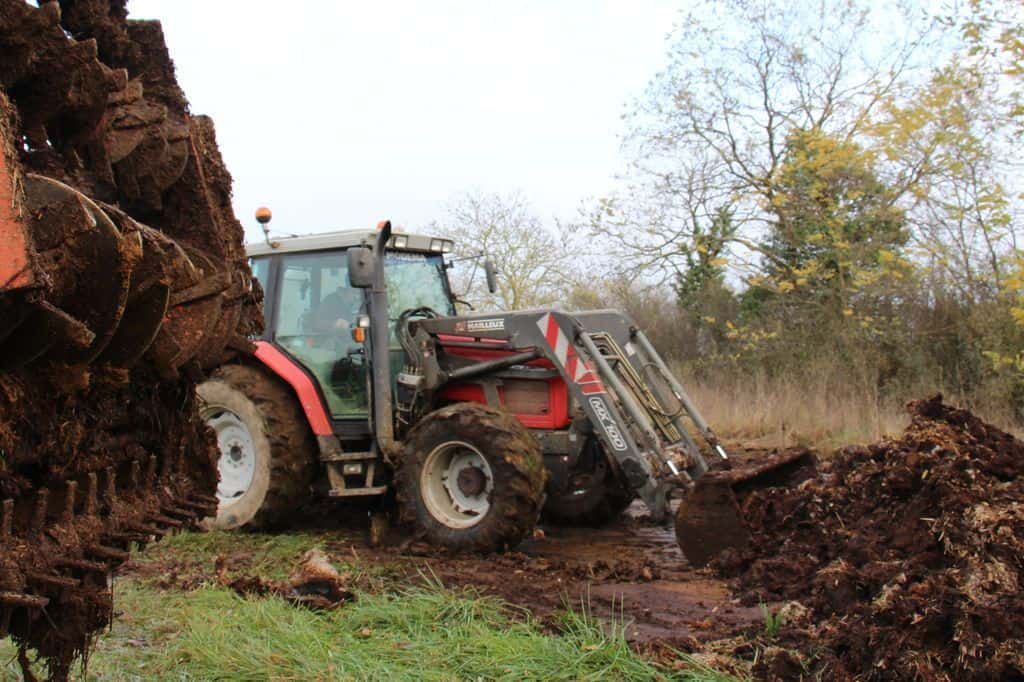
(336, 114)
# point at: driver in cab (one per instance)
(338, 310)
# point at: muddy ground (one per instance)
(896, 561)
(630, 572)
(900, 560)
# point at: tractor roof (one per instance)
(343, 239)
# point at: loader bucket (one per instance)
(711, 519)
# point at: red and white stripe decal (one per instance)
(578, 370)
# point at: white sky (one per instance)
(339, 114)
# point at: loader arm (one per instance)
(640, 430)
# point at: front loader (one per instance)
(480, 423)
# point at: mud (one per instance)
(906, 554)
(66, 522)
(314, 584)
(898, 561)
(629, 572)
(136, 281)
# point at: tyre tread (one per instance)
(520, 476)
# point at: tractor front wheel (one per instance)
(471, 478)
(595, 505)
(596, 496)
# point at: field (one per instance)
(773, 412)
(897, 560)
(415, 615)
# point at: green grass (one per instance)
(427, 633)
(773, 621)
(391, 632)
(271, 556)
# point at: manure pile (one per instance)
(907, 556)
(123, 280)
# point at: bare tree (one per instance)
(532, 262)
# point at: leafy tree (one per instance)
(993, 30)
(705, 266)
(833, 217)
(715, 126)
(949, 154)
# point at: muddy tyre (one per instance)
(471, 478)
(268, 451)
(594, 506)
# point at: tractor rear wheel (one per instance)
(267, 450)
(471, 478)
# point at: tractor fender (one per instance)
(289, 371)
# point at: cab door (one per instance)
(315, 314)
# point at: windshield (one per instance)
(416, 280)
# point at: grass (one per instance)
(773, 621)
(269, 555)
(773, 413)
(770, 412)
(427, 632)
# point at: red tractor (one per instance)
(366, 380)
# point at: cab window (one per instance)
(260, 270)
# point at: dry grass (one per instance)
(772, 413)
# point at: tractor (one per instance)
(367, 383)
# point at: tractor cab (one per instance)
(317, 317)
(319, 320)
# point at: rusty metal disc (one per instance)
(83, 253)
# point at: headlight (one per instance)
(437, 245)
(447, 246)
(401, 241)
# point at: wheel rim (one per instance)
(237, 462)
(456, 483)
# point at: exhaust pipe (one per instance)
(380, 341)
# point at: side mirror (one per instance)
(491, 274)
(361, 267)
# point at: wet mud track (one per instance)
(899, 560)
(630, 572)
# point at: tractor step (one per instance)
(348, 457)
(356, 492)
(343, 484)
